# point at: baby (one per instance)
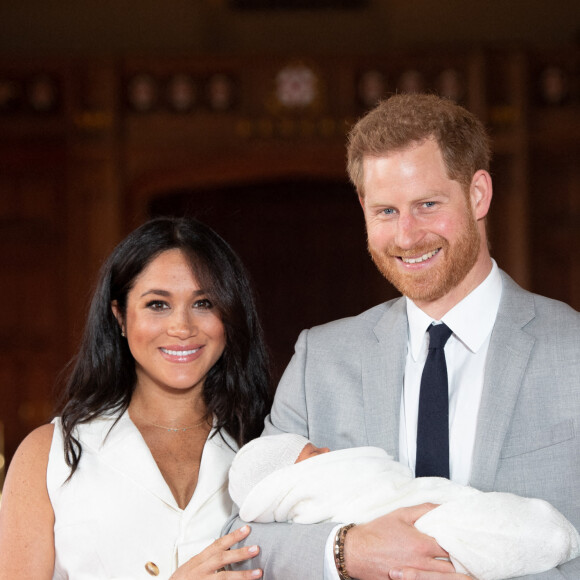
(489, 536)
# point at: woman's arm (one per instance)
(26, 515)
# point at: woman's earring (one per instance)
(122, 332)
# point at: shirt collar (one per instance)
(471, 320)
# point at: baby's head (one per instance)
(310, 450)
(261, 457)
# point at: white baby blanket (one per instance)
(489, 536)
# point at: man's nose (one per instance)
(409, 231)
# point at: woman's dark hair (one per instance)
(102, 380)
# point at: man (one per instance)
(420, 165)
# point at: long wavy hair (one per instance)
(237, 389)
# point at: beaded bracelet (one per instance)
(339, 552)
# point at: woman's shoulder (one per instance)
(25, 486)
(26, 517)
(36, 443)
(32, 454)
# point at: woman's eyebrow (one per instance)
(167, 293)
(156, 291)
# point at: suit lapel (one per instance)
(383, 366)
(507, 358)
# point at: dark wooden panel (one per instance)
(304, 244)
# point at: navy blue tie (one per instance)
(433, 418)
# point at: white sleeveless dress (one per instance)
(117, 519)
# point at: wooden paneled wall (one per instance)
(88, 148)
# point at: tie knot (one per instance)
(438, 335)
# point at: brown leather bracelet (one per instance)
(339, 552)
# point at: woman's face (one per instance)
(173, 330)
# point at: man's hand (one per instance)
(392, 542)
(412, 574)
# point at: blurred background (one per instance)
(236, 111)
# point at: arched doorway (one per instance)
(303, 242)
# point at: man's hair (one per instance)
(404, 120)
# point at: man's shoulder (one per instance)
(515, 295)
(550, 305)
(361, 324)
(540, 310)
(555, 320)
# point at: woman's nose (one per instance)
(183, 325)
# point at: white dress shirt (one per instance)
(471, 321)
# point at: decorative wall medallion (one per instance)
(450, 84)
(297, 87)
(181, 93)
(10, 95)
(42, 93)
(142, 92)
(553, 85)
(371, 87)
(411, 81)
(220, 92)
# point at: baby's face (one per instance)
(311, 450)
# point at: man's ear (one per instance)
(481, 192)
(117, 313)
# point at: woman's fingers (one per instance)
(238, 555)
(229, 540)
(217, 556)
(227, 556)
(239, 575)
(224, 555)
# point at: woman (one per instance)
(130, 481)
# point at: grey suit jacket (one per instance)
(343, 389)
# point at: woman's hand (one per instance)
(216, 556)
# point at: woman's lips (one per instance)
(178, 354)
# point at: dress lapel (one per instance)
(383, 366)
(218, 454)
(509, 351)
(121, 446)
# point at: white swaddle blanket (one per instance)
(489, 536)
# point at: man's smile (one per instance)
(421, 258)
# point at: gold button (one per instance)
(152, 569)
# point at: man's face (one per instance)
(421, 226)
